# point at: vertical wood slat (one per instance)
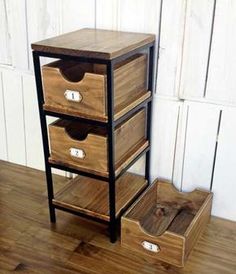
(224, 176)
(77, 14)
(107, 14)
(34, 146)
(197, 37)
(221, 78)
(43, 21)
(139, 17)
(5, 53)
(33, 138)
(18, 33)
(165, 126)
(199, 148)
(170, 53)
(3, 136)
(14, 115)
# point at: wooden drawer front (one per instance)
(80, 88)
(88, 144)
(169, 247)
(165, 224)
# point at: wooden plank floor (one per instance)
(29, 244)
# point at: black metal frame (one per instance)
(110, 125)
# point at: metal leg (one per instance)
(111, 153)
(43, 122)
(149, 112)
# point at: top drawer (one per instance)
(79, 89)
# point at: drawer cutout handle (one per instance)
(77, 153)
(151, 247)
(72, 95)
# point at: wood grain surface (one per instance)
(91, 196)
(94, 43)
(64, 135)
(60, 76)
(30, 244)
(90, 81)
(150, 218)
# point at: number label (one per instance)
(77, 153)
(72, 95)
(150, 246)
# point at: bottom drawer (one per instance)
(165, 223)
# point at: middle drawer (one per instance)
(83, 146)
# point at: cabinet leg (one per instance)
(148, 154)
(50, 194)
(113, 231)
(52, 213)
(37, 70)
(112, 205)
(111, 153)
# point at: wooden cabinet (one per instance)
(100, 88)
(165, 224)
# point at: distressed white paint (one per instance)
(43, 21)
(196, 48)
(107, 14)
(34, 146)
(221, 80)
(33, 138)
(201, 135)
(3, 137)
(14, 115)
(180, 145)
(18, 33)
(225, 176)
(138, 17)
(165, 126)
(170, 53)
(77, 14)
(5, 53)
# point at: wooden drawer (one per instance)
(79, 89)
(85, 147)
(165, 224)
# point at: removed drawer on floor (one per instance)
(165, 223)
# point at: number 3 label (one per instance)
(150, 246)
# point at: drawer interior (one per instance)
(74, 71)
(163, 208)
(79, 130)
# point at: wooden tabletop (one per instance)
(94, 43)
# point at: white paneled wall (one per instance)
(194, 124)
(197, 37)
(221, 83)
(200, 132)
(172, 21)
